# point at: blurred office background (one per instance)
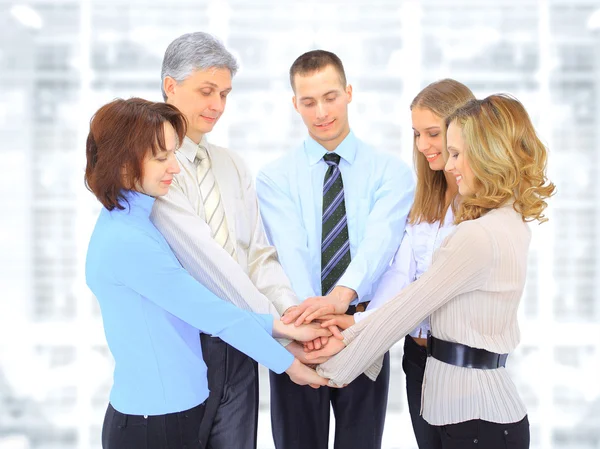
(61, 59)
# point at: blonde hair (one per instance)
(507, 158)
(441, 98)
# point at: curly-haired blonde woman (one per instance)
(472, 289)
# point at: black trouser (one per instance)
(479, 434)
(300, 414)
(231, 418)
(413, 364)
(171, 431)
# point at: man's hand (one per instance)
(336, 302)
(288, 310)
(332, 347)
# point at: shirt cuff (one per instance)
(350, 280)
(374, 369)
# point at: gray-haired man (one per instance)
(210, 218)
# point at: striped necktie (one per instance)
(335, 243)
(213, 207)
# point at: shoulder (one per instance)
(381, 158)
(230, 157)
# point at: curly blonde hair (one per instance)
(506, 156)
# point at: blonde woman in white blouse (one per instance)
(472, 289)
(430, 221)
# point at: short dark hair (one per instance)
(121, 135)
(316, 60)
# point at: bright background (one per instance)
(61, 60)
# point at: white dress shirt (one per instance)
(410, 262)
(256, 282)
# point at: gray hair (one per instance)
(195, 51)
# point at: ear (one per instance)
(169, 86)
(349, 92)
(295, 103)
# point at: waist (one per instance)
(360, 307)
(464, 356)
(132, 419)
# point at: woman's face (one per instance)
(429, 137)
(457, 162)
(159, 169)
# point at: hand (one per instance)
(335, 302)
(332, 347)
(303, 375)
(298, 351)
(288, 310)
(317, 343)
(306, 332)
(341, 321)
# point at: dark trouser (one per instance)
(231, 416)
(413, 364)
(170, 431)
(300, 414)
(479, 434)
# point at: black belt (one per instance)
(463, 355)
(360, 307)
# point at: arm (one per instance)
(265, 271)
(281, 221)
(461, 265)
(142, 264)
(384, 229)
(190, 238)
(401, 273)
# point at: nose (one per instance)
(173, 167)
(422, 143)
(449, 165)
(321, 110)
(217, 103)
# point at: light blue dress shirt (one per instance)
(378, 191)
(152, 310)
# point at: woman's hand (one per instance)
(342, 321)
(305, 332)
(298, 351)
(332, 347)
(303, 375)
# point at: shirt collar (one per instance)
(189, 148)
(135, 203)
(346, 149)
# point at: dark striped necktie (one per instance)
(335, 243)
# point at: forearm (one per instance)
(189, 237)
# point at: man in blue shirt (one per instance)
(335, 209)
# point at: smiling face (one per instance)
(457, 164)
(322, 101)
(429, 137)
(201, 97)
(158, 169)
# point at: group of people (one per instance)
(333, 257)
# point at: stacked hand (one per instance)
(326, 313)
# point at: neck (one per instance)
(195, 137)
(331, 145)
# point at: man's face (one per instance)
(322, 102)
(201, 97)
